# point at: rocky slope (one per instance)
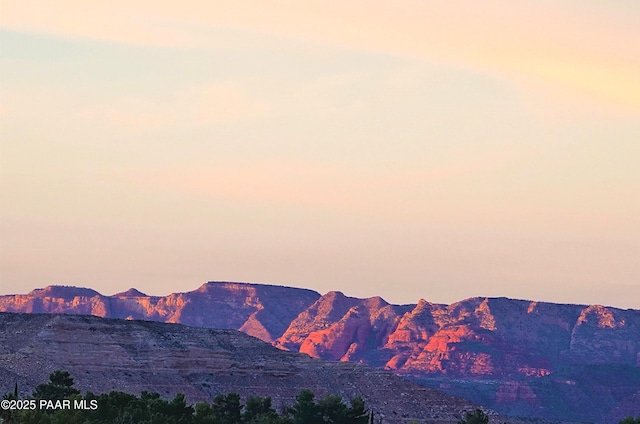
(105, 354)
(525, 358)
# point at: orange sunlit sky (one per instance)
(409, 149)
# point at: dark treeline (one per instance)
(150, 408)
(47, 406)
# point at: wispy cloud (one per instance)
(588, 50)
(224, 102)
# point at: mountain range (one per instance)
(523, 358)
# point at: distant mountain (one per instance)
(537, 359)
(105, 354)
(255, 309)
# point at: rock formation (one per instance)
(521, 357)
(256, 309)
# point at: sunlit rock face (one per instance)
(584, 355)
(605, 335)
(58, 299)
(258, 310)
(338, 327)
(476, 337)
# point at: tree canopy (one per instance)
(151, 408)
(475, 417)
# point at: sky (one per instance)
(408, 149)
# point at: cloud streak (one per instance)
(581, 49)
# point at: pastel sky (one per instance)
(409, 149)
